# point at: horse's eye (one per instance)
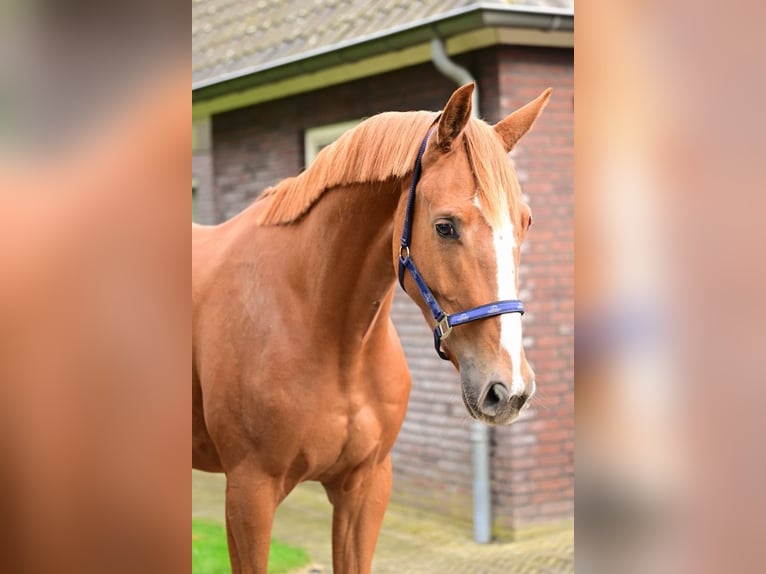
(445, 229)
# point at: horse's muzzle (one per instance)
(498, 403)
(494, 405)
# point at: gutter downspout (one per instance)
(482, 489)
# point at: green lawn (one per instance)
(209, 554)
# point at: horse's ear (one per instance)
(455, 116)
(518, 123)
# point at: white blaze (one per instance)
(510, 323)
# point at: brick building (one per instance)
(274, 81)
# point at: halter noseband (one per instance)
(444, 321)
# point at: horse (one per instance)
(297, 370)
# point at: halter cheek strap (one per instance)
(444, 321)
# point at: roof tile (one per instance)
(231, 35)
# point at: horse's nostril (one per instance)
(499, 392)
(517, 401)
(497, 395)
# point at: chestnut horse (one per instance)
(297, 372)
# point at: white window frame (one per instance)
(314, 139)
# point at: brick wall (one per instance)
(533, 466)
(257, 146)
(205, 209)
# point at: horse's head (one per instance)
(468, 224)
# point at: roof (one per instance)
(234, 38)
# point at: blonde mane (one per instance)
(497, 187)
(384, 147)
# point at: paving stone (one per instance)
(410, 542)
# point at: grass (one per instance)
(210, 556)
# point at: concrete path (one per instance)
(410, 543)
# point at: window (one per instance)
(194, 199)
(317, 138)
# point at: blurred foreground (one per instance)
(669, 343)
(94, 267)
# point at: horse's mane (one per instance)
(384, 147)
(497, 188)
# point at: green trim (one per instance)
(314, 81)
(375, 65)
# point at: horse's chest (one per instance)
(347, 438)
(318, 422)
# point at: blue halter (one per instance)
(444, 321)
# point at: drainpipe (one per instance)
(482, 489)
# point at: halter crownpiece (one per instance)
(444, 321)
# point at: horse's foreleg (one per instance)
(359, 501)
(231, 543)
(250, 504)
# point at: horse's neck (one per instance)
(351, 265)
(340, 261)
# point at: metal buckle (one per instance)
(444, 327)
(404, 253)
